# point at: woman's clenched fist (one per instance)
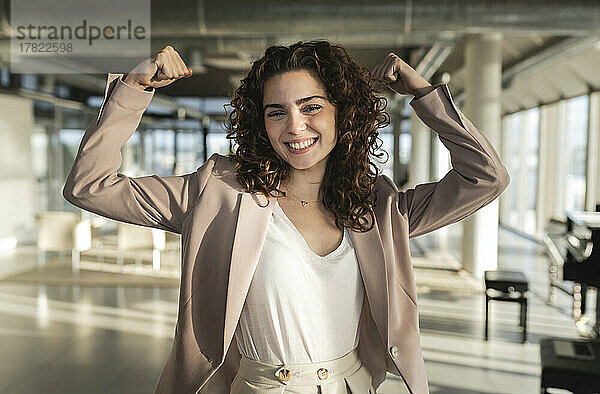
(158, 71)
(400, 76)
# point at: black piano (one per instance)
(574, 265)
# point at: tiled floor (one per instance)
(71, 339)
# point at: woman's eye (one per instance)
(312, 108)
(308, 109)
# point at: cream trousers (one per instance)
(344, 375)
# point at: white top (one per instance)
(301, 307)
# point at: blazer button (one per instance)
(395, 352)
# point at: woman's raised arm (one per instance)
(477, 176)
(95, 185)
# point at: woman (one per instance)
(296, 274)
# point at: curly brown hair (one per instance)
(348, 184)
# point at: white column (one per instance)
(17, 181)
(543, 202)
(559, 161)
(545, 170)
(440, 164)
(396, 118)
(551, 190)
(483, 90)
(593, 169)
(418, 169)
(128, 166)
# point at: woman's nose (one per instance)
(297, 123)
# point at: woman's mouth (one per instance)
(302, 147)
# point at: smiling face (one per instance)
(299, 119)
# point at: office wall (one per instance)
(16, 175)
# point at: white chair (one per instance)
(138, 238)
(59, 231)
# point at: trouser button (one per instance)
(283, 374)
(322, 373)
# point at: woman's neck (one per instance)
(305, 184)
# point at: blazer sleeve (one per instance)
(477, 176)
(95, 185)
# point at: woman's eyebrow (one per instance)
(298, 102)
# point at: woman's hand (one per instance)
(400, 77)
(158, 71)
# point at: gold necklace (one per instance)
(303, 202)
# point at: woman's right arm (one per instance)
(95, 185)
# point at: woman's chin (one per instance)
(300, 163)
(303, 164)
(300, 166)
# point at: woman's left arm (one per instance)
(477, 176)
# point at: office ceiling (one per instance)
(549, 47)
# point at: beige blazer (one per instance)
(223, 229)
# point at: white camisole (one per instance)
(301, 307)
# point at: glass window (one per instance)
(4, 77)
(520, 143)
(511, 139)
(63, 90)
(217, 143)
(530, 152)
(159, 152)
(130, 157)
(387, 145)
(69, 142)
(29, 81)
(404, 148)
(189, 152)
(576, 138)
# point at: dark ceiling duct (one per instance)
(227, 26)
(319, 17)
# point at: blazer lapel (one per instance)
(250, 234)
(371, 260)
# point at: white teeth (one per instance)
(302, 145)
